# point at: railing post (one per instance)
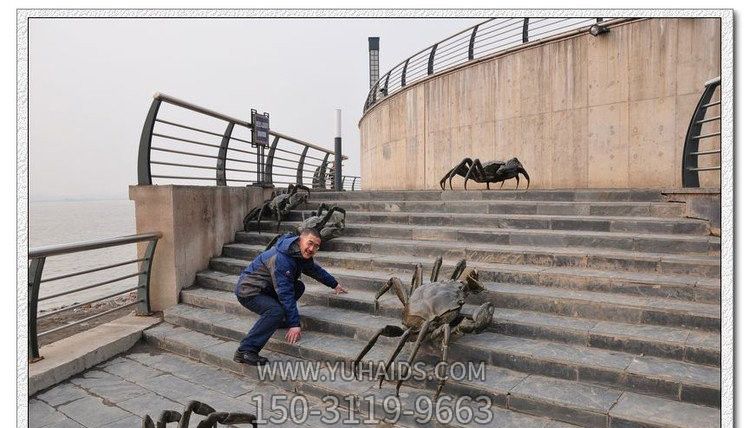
(471, 42)
(144, 280)
(354, 181)
(403, 73)
(301, 165)
(431, 61)
(385, 84)
(35, 277)
(269, 161)
(144, 148)
(319, 181)
(259, 164)
(221, 160)
(525, 33)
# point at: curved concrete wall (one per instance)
(583, 112)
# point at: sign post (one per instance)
(261, 127)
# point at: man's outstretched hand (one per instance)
(339, 289)
(293, 334)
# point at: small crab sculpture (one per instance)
(212, 417)
(329, 225)
(280, 205)
(491, 172)
(433, 311)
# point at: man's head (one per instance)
(309, 242)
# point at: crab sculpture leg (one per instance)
(263, 210)
(166, 417)
(476, 173)
(196, 407)
(460, 169)
(227, 418)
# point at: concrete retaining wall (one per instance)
(196, 221)
(584, 112)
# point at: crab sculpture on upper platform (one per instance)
(281, 205)
(329, 225)
(432, 309)
(491, 172)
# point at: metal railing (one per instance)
(351, 182)
(169, 147)
(691, 151)
(37, 258)
(483, 40)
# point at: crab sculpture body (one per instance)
(329, 225)
(432, 311)
(490, 172)
(279, 205)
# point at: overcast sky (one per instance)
(92, 81)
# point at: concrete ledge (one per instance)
(68, 357)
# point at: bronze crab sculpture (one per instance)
(432, 309)
(491, 172)
(329, 225)
(212, 417)
(280, 205)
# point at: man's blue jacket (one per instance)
(276, 273)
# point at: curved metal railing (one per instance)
(691, 151)
(195, 138)
(37, 258)
(485, 39)
(351, 182)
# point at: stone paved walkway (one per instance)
(120, 392)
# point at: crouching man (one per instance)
(270, 287)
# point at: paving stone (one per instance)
(43, 415)
(93, 412)
(640, 410)
(61, 393)
(172, 387)
(150, 404)
(129, 369)
(129, 422)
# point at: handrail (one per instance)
(38, 257)
(264, 161)
(690, 150)
(457, 51)
(56, 250)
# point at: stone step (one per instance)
(534, 255)
(623, 195)
(526, 221)
(666, 342)
(361, 399)
(620, 209)
(628, 241)
(682, 287)
(342, 334)
(568, 302)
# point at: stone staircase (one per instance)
(607, 303)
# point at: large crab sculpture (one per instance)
(212, 417)
(491, 172)
(432, 311)
(280, 205)
(329, 225)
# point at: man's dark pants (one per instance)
(272, 317)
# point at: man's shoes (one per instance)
(250, 358)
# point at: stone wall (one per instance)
(195, 222)
(581, 112)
